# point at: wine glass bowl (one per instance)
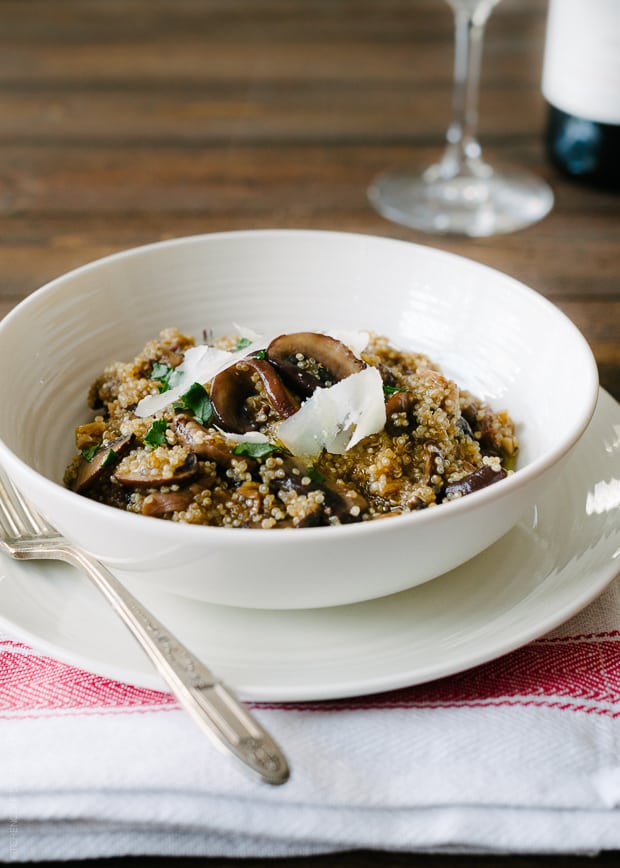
(461, 193)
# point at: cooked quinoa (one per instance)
(217, 455)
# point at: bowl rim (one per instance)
(514, 482)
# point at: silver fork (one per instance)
(24, 534)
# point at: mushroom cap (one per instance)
(307, 360)
(91, 471)
(232, 386)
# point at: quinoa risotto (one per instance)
(303, 430)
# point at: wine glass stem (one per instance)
(462, 154)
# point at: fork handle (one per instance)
(209, 702)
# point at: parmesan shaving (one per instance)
(200, 364)
(336, 418)
(248, 437)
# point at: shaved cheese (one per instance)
(338, 417)
(200, 364)
(248, 437)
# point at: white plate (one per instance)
(558, 559)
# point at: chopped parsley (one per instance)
(242, 343)
(315, 475)
(111, 458)
(168, 377)
(256, 450)
(156, 435)
(90, 451)
(197, 400)
(393, 390)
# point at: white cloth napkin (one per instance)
(519, 755)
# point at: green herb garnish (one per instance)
(111, 458)
(392, 390)
(256, 450)
(168, 377)
(159, 371)
(156, 435)
(197, 400)
(315, 475)
(90, 451)
(242, 343)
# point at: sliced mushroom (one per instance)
(387, 376)
(316, 518)
(294, 476)
(481, 428)
(464, 427)
(479, 479)
(207, 444)
(232, 387)
(192, 434)
(143, 476)
(308, 359)
(89, 472)
(339, 502)
(344, 503)
(161, 503)
(400, 414)
(481, 425)
(433, 462)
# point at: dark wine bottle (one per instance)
(581, 85)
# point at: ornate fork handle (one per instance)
(209, 702)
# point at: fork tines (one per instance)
(17, 517)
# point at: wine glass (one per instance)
(462, 194)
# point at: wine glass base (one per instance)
(472, 206)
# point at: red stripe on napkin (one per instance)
(33, 683)
(579, 673)
(575, 673)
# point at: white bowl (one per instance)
(493, 335)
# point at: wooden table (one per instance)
(129, 121)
